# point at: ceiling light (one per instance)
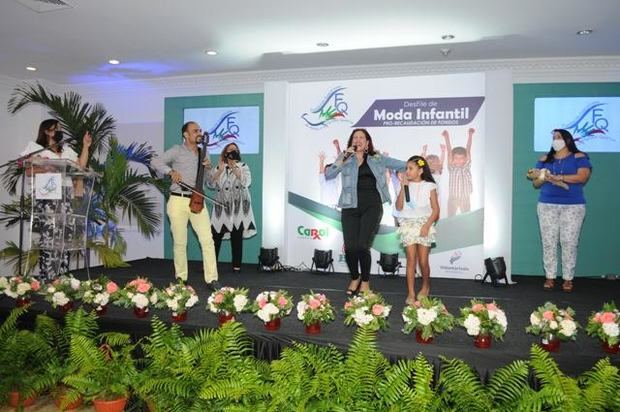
(584, 32)
(114, 61)
(211, 52)
(322, 44)
(447, 37)
(445, 51)
(31, 68)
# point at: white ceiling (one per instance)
(161, 38)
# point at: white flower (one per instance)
(472, 324)
(568, 327)
(153, 298)
(172, 304)
(534, 319)
(553, 324)
(75, 284)
(60, 299)
(140, 301)
(501, 319)
(51, 289)
(386, 311)
(4, 283)
(191, 301)
(22, 288)
(301, 309)
(129, 295)
(362, 318)
(240, 302)
(212, 307)
(10, 293)
(611, 329)
(101, 299)
(263, 315)
(426, 316)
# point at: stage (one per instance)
(517, 300)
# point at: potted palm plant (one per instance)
(102, 372)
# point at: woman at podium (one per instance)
(50, 145)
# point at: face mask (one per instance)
(234, 155)
(558, 144)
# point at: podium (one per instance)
(61, 193)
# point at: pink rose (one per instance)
(348, 305)
(491, 306)
(597, 317)
(377, 309)
(478, 307)
(219, 298)
(548, 315)
(17, 280)
(608, 317)
(143, 287)
(35, 285)
(314, 303)
(111, 287)
(262, 302)
(282, 301)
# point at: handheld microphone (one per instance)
(348, 154)
(406, 189)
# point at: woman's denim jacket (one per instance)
(378, 165)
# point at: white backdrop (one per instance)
(321, 113)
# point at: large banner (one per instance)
(405, 116)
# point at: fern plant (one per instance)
(102, 369)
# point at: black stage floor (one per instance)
(517, 300)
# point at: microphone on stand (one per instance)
(348, 154)
(203, 139)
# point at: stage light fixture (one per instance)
(389, 263)
(322, 261)
(268, 260)
(495, 268)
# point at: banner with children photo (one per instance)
(440, 118)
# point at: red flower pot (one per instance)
(140, 312)
(550, 343)
(66, 307)
(116, 405)
(610, 348)
(420, 339)
(179, 317)
(15, 400)
(273, 324)
(482, 341)
(101, 310)
(74, 405)
(22, 301)
(313, 328)
(225, 318)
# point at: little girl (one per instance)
(417, 213)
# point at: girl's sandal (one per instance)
(567, 286)
(549, 284)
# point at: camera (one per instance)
(235, 155)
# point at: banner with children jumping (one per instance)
(438, 117)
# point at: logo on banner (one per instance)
(332, 108)
(455, 256)
(225, 129)
(453, 266)
(444, 111)
(312, 232)
(590, 123)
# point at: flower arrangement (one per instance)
(228, 301)
(97, 292)
(484, 319)
(63, 291)
(315, 308)
(605, 324)
(367, 310)
(178, 297)
(429, 316)
(138, 294)
(4, 283)
(549, 320)
(20, 287)
(270, 305)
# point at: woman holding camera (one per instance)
(230, 179)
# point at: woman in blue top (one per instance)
(561, 211)
(364, 190)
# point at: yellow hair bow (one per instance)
(421, 162)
